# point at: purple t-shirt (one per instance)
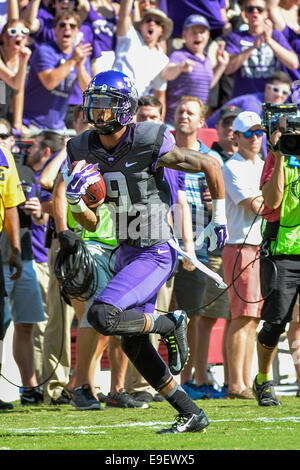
(176, 181)
(252, 76)
(104, 29)
(44, 108)
(211, 9)
(46, 33)
(38, 235)
(197, 83)
(44, 12)
(294, 40)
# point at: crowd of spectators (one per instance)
(225, 58)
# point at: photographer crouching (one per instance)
(280, 264)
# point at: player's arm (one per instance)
(192, 161)
(86, 218)
(77, 180)
(186, 229)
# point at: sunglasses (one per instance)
(12, 32)
(149, 19)
(249, 134)
(152, 2)
(5, 136)
(63, 24)
(278, 90)
(251, 9)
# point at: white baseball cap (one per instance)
(245, 120)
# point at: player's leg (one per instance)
(140, 275)
(148, 362)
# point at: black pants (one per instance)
(285, 285)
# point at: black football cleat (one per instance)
(265, 393)
(176, 342)
(187, 423)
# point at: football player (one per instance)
(131, 158)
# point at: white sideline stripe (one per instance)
(88, 429)
(82, 429)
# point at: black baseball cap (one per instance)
(229, 111)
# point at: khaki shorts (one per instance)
(220, 308)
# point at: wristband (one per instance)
(78, 207)
(218, 211)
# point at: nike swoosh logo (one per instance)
(73, 186)
(160, 252)
(29, 399)
(130, 164)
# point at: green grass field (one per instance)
(235, 425)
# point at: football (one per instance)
(95, 193)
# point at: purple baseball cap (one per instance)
(194, 20)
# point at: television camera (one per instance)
(284, 118)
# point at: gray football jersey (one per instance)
(136, 194)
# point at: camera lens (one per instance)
(290, 144)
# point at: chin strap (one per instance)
(110, 128)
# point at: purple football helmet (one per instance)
(110, 90)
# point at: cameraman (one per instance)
(280, 184)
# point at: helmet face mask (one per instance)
(110, 90)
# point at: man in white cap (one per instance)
(242, 174)
(138, 53)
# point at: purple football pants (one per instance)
(140, 274)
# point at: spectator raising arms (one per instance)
(138, 54)
(102, 17)
(14, 56)
(52, 75)
(190, 71)
(41, 20)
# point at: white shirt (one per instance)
(141, 63)
(242, 178)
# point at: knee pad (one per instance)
(270, 333)
(104, 318)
